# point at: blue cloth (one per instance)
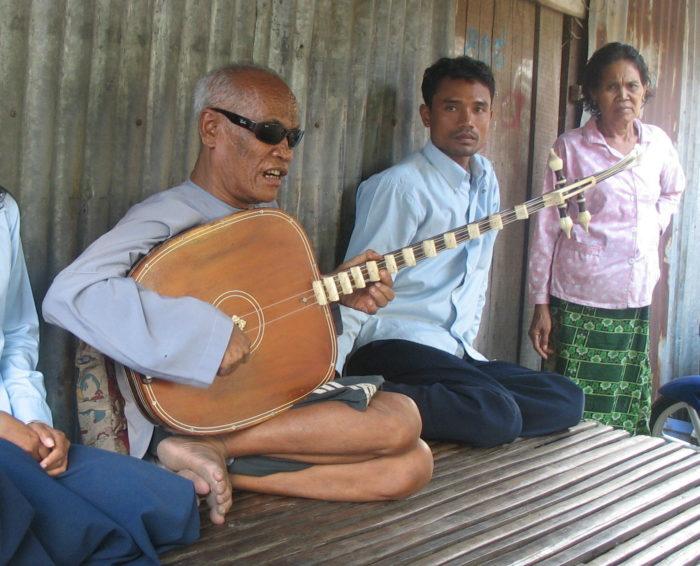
(105, 509)
(439, 301)
(480, 403)
(22, 392)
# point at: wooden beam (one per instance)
(576, 8)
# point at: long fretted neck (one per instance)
(329, 288)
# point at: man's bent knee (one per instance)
(406, 475)
(400, 422)
(499, 421)
(572, 405)
(501, 425)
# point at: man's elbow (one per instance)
(56, 305)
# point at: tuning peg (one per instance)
(554, 162)
(584, 217)
(557, 166)
(565, 222)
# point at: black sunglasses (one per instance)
(270, 133)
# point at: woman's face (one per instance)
(620, 94)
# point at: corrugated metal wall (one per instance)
(667, 33)
(95, 113)
(681, 352)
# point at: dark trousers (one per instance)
(105, 509)
(470, 401)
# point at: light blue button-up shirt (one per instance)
(439, 301)
(22, 391)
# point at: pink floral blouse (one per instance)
(616, 264)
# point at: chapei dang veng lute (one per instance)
(258, 267)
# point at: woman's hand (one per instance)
(56, 462)
(541, 331)
(376, 295)
(22, 435)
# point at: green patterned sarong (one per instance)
(606, 352)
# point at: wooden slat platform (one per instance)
(587, 495)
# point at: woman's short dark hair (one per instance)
(606, 55)
(456, 68)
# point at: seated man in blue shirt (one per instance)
(422, 343)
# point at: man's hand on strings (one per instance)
(236, 352)
(376, 294)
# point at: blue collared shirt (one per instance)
(439, 301)
(22, 391)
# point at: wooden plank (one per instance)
(512, 542)
(512, 53)
(297, 44)
(487, 510)
(164, 53)
(626, 550)
(534, 501)
(376, 158)
(354, 528)
(672, 514)
(480, 14)
(688, 555)
(460, 45)
(674, 549)
(574, 58)
(593, 517)
(476, 456)
(243, 27)
(389, 134)
(414, 60)
(543, 133)
(575, 8)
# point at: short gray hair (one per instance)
(217, 87)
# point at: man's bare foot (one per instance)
(204, 458)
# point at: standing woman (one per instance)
(592, 292)
(63, 504)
